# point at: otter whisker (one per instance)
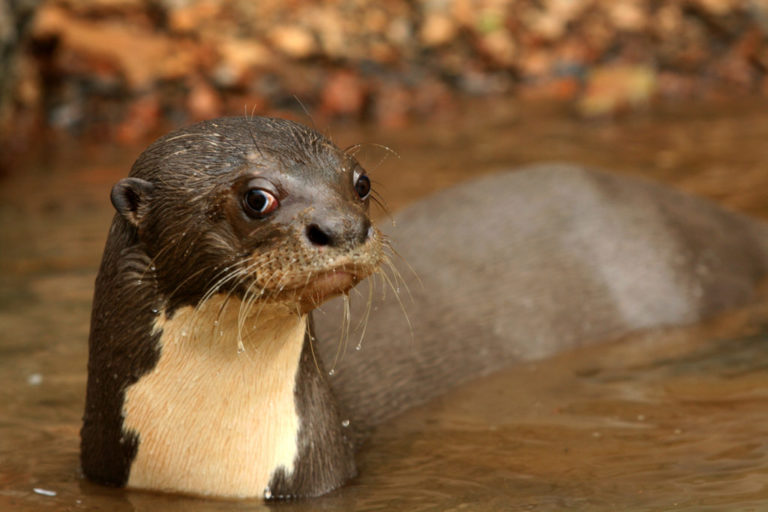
(397, 277)
(236, 274)
(237, 271)
(241, 274)
(366, 316)
(399, 300)
(389, 151)
(387, 245)
(231, 274)
(306, 113)
(249, 298)
(354, 149)
(344, 335)
(312, 340)
(376, 198)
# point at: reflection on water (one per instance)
(674, 420)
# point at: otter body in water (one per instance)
(203, 375)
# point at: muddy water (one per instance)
(670, 420)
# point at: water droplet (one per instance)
(138, 282)
(359, 346)
(153, 268)
(155, 310)
(332, 372)
(183, 333)
(267, 493)
(35, 379)
(345, 423)
(44, 492)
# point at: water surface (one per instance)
(673, 420)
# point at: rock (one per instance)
(203, 101)
(550, 23)
(628, 15)
(329, 26)
(536, 63)
(500, 47)
(344, 94)
(611, 88)
(142, 118)
(293, 40)
(392, 105)
(563, 89)
(718, 7)
(193, 16)
(142, 57)
(237, 59)
(437, 29)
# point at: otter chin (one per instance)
(201, 377)
(327, 285)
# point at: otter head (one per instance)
(264, 209)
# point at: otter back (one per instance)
(521, 265)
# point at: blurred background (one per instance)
(119, 70)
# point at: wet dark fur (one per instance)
(122, 348)
(521, 265)
(183, 244)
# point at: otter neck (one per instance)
(217, 414)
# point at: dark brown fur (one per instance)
(176, 232)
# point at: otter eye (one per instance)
(363, 186)
(258, 202)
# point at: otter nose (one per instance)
(338, 233)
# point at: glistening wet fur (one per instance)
(256, 212)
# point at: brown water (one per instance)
(675, 420)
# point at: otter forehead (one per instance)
(221, 149)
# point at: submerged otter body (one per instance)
(203, 375)
(524, 264)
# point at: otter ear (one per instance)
(130, 197)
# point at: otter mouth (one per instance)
(328, 284)
(292, 274)
(332, 282)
